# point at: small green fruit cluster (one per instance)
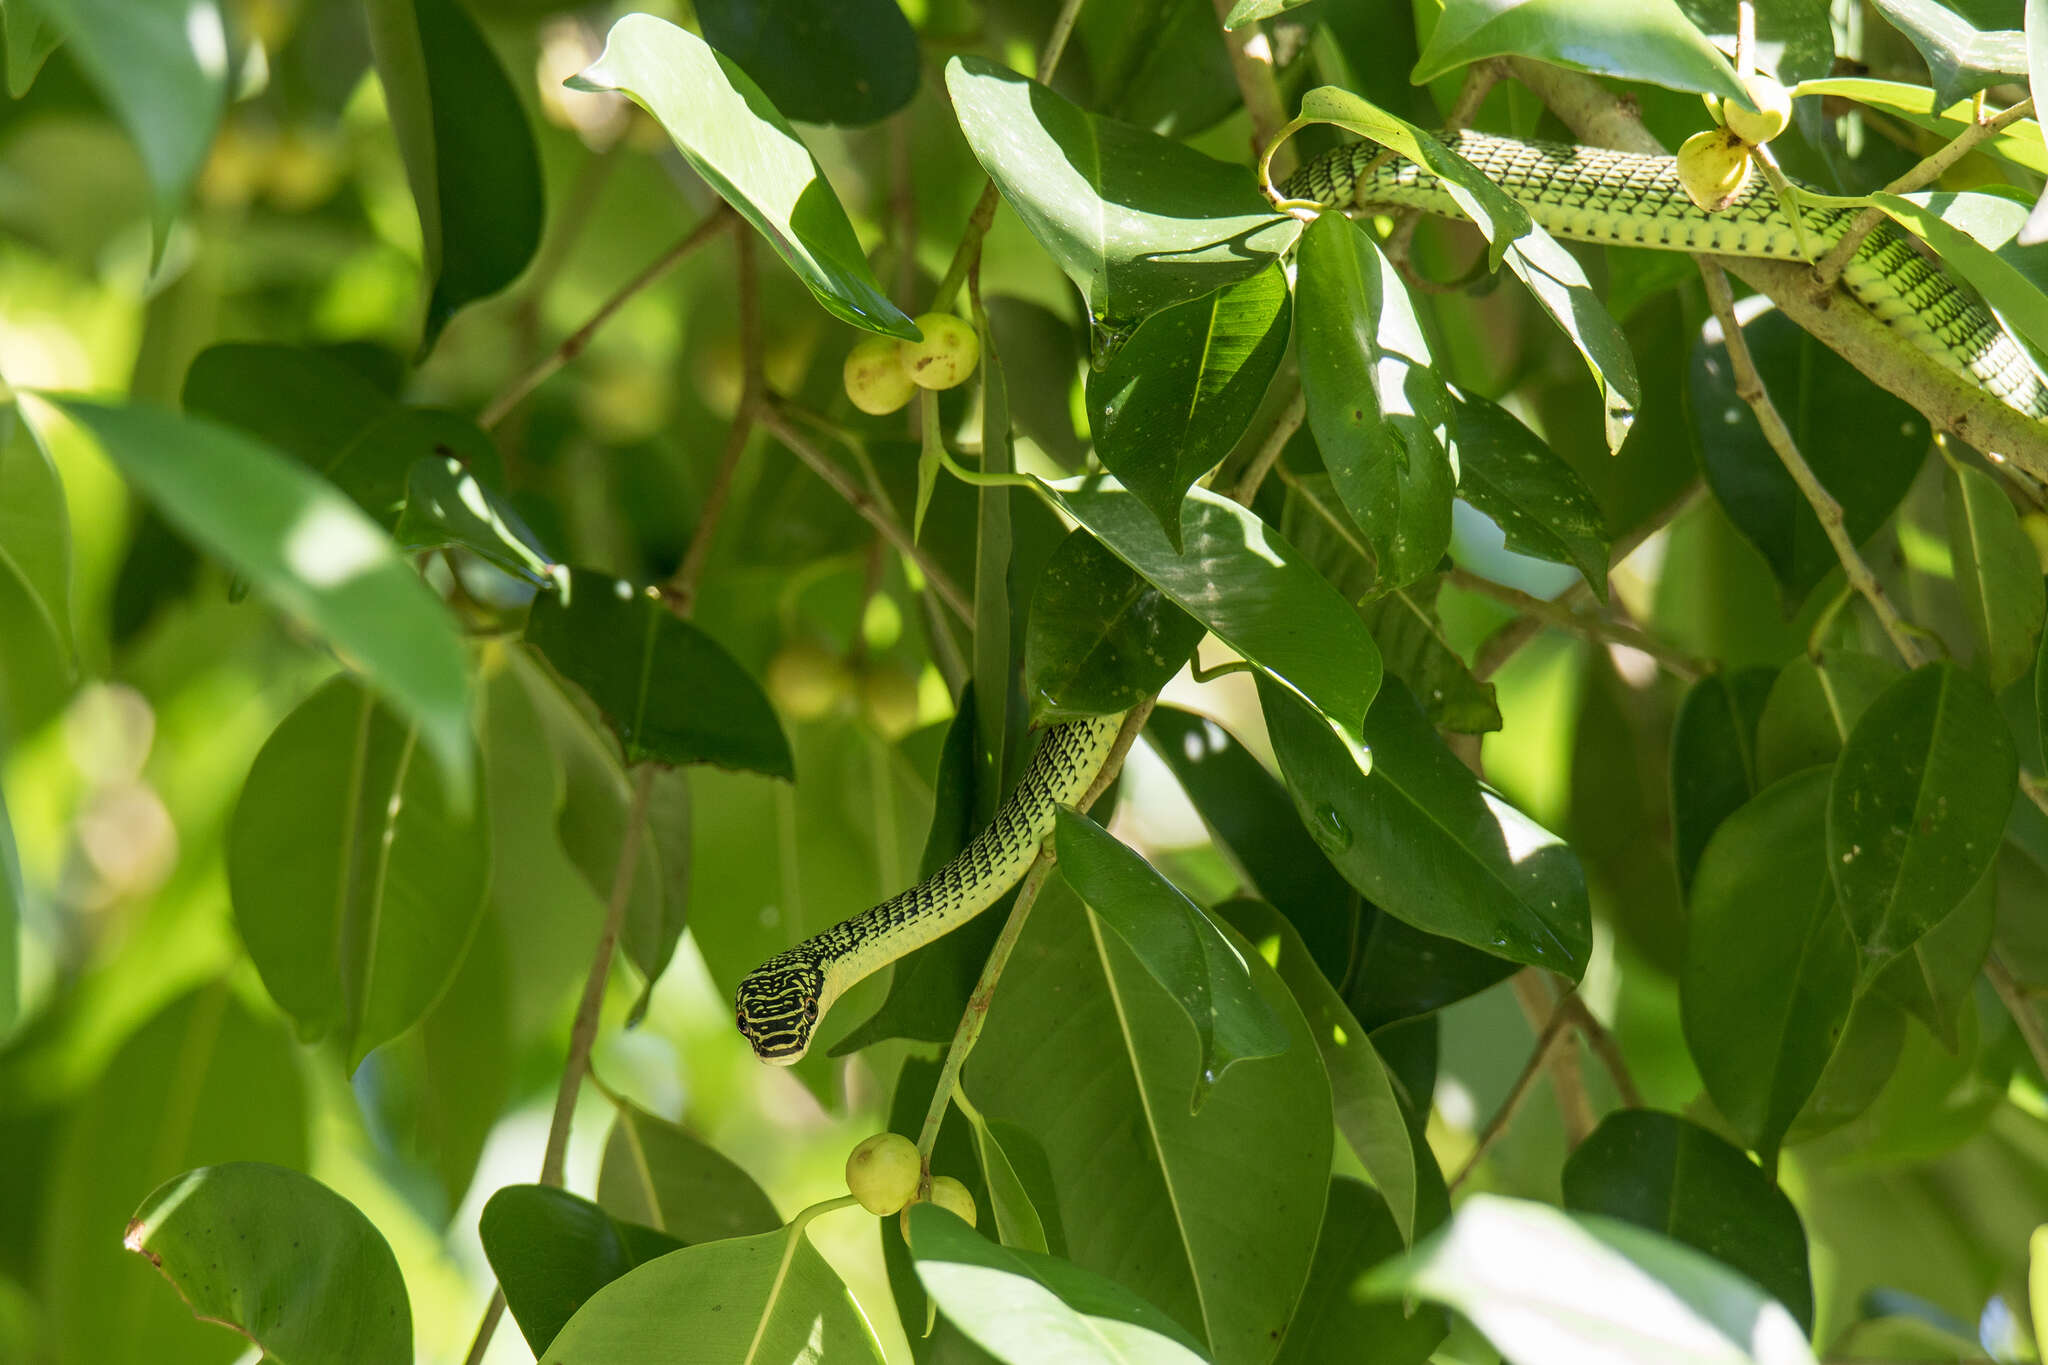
(882, 1174)
(808, 680)
(1714, 165)
(882, 373)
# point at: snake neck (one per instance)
(1590, 194)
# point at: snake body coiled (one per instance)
(779, 1003)
(1589, 194)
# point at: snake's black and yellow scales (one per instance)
(1588, 194)
(779, 1003)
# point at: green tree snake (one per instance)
(1575, 192)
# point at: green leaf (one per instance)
(35, 528)
(1813, 706)
(469, 153)
(1160, 65)
(1769, 966)
(1935, 978)
(769, 1297)
(13, 901)
(1101, 639)
(356, 882)
(1997, 572)
(1963, 57)
(934, 1340)
(1864, 445)
(1975, 234)
(551, 1250)
(1334, 1323)
(735, 138)
(2020, 143)
(1177, 943)
(1714, 763)
(1672, 1176)
(1137, 222)
(1086, 1053)
(1650, 41)
(1176, 398)
(1918, 806)
(308, 550)
(1380, 414)
(1422, 839)
(162, 67)
(1410, 635)
(658, 1174)
(1237, 577)
(995, 672)
(1363, 1092)
(1028, 1307)
(30, 37)
(1539, 502)
(1314, 521)
(1251, 11)
(279, 1258)
(820, 61)
(1551, 1288)
(1793, 39)
(446, 504)
(669, 691)
(177, 1094)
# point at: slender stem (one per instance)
(487, 1327)
(976, 1014)
(777, 424)
(1284, 426)
(682, 585)
(1567, 1081)
(2015, 997)
(1222, 670)
(572, 345)
(1555, 614)
(1926, 173)
(1505, 1115)
(1604, 1047)
(1056, 39)
(1251, 63)
(1749, 386)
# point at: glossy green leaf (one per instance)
(1138, 223)
(1364, 1093)
(658, 1174)
(1089, 1055)
(162, 67)
(1865, 445)
(355, 880)
(1856, 1074)
(1314, 521)
(1672, 1176)
(468, 150)
(1237, 577)
(767, 1297)
(1380, 414)
(1974, 232)
(176, 1095)
(307, 549)
(1414, 649)
(1917, 806)
(735, 138)
(1793, 39)
(1174, 400)
(1101, 638)
(1714, 766)
(1934, 979)
(1422, 839)
(446, 504)
(35, 528)
(669, 691)
(1539, 502)
(279, 1258)
(1551, 1288)
(1769, 966)
(1160, 65)
(1997, 572)
(1963, 57)
(1020, 1192)
(30, 37)
(1935, 1100)
(2020, 143)
(1813, 706)
(1026, 1307)
(820, 61)
(1251, 11)
(551, 1250)
(1334, 1323)
(1177, 943)
(1652, 41)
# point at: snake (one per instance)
(1585, 194)
(779, 1003)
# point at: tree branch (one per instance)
(1251, 62)
(1284, 426)
(1498, 1124)
(1553, 613)
(681, 593)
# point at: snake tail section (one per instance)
(779, 1003)
(1588, 194)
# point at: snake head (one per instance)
(777, 1008)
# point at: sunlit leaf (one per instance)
(551, 1250)
(2020, 143)
(35, 528)
(1651, 41)
(1539, 502)
(663, 1176)
(1963, 57)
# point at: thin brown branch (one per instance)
(1567, 1081)
(1284, 426)
(1552, 613)
(1749, 386)
(1251, 62)
(487, 1327)
(2022, 1011)
(572, 345)
(1604, 1047)
(682, 586)
(1498, 1124)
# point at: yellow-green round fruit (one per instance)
(889, 695)
(952, 1196)
(882, 1173)
(807, 680)
(1713, 166)
(1774, 110)
(946, 356)
(875, 377)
